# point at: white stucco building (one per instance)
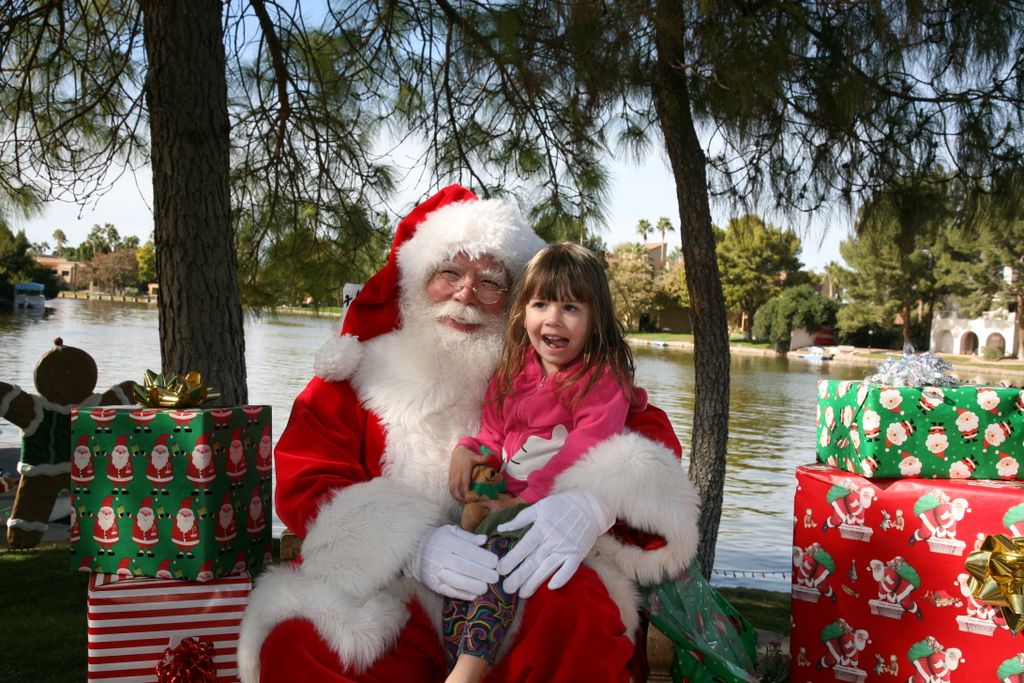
(952, 333)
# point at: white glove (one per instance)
(451, 562)
(565, 528)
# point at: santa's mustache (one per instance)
(460, 313)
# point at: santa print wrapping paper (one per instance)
(879, 586)
(171, 493)
(132, 621)
(966, 432)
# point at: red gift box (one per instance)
(132, 621)
(880, 591)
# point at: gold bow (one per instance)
(997, 576)
(173, 390)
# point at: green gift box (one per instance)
(965, 432)
(180, 493)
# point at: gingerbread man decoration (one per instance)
(65, 378)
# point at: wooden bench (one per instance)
(659, 648)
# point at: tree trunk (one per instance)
(186, 92)
(710, 331)
(907, 339)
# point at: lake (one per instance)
(772, 407)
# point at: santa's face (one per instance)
(202, 455)
(265, 445)
(119, 456)
(455, 282)
(159, 456)
(236, 452)
(105, 518)
(185, 520)
(82, 456)
(255, 507)
(145, 518)
(227, 514)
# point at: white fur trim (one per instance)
(338, 358)
(475, 228)
(5, 400)
(644, 484)
(44, 470)
(349, 584)
(24, 525)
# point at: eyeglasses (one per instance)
(486, 292)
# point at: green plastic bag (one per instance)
(713, 642)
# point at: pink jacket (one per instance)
(537, 432)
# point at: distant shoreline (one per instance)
(963, 367)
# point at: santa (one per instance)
(967, 424)
(988, 400)
(870, 425)
(264, 457)
(849, 502)
(1007, 467)
(939, 515)
(163, 571)
(119, 469)
(937, 441)
(255, 523)
(996, 433)
(74, 531)
(104, 528)
(159, 471)
(185, 533)
(124, 568)
(205, 572)
(975, 608)
(891, 399)
(1012, 669)
(82, 469)
(145, 533)
(813, 566)
(362, 471)
(843, 645)
(897, 582)
(225, 530)
(201, 471)
(235, 466)
(931, 662)
(241, 565)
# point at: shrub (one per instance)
(992, 353)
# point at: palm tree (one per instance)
(60, 239)
(643, 228)
(664, 226)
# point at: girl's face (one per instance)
(558, 330)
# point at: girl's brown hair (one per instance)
(569, 272)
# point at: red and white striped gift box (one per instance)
(132, 621)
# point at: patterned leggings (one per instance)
(477, 627)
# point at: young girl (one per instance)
(565, 383)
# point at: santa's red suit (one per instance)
(185, 533)
(362, 474)
(896, 589)
(841, 651)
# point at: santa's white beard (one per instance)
(467, 358)
(185, 522)
(146, 522)
(119, 457)
(159, 459)
(105, 519)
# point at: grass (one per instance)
(45, 614)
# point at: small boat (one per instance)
(29, 295)
(815, 354)
(658, 344)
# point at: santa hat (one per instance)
(186, 504)
(124, 564)
(122, 440)
(236, 435)
(227, 500)
(161, 440)
(147, 503)
(452, 221)
(203, 440)
(108, 502)
(83, 441)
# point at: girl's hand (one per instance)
(460, 471)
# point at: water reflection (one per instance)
(772, 405)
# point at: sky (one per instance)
(643, 191)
